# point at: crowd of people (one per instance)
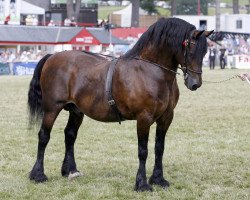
(23, 56)
(31, 20)
(67, 22)
(223, 52)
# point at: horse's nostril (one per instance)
(194, 87)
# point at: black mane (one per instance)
(165, 32)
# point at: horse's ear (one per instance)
(197, 34)
(207, 33)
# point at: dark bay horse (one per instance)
(143, 86)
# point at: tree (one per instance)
(149, 6)
(190, 7)
(73, 9)
(236, 7)
(173, 7)
(135, 13)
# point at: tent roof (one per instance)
(27, 8)
(104, 36)
(35, 34)
(128, 11)
(53, 34)
(128, 32)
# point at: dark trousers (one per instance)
(222, 62)
(212, 62)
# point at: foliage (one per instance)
(149, 6)
(206, 153)
(190, 7)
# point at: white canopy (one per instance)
(128, 11)
(27, 8)
(126, 15)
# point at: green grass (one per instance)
(104, 11)
(207, 153)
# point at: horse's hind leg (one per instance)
(74, 122)
(37, 172)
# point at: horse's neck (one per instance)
(165, 59)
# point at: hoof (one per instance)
(159, 181)
(74, 175)
(38, 178)
(144, 188)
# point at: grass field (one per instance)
(207, 153)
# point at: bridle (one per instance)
(187, 43)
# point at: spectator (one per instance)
(24, 57)
(2, 60)
(11, 57)
(29, 20)
(32, 55)
(34, 20)
(222, 58)
(51, 23)
(7, 19)
(67, 22)
(73, 22)
(212, 55)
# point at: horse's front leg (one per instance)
(142, 134)
(162, 126)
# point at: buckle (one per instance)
(111, 102)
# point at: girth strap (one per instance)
(108, 89)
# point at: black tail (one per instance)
(35, 93)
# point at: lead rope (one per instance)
(228, 79)
(222, 81)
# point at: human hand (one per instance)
(244, 76)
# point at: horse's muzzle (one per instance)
(192, 84)
(194, 87)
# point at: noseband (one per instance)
(185, 68)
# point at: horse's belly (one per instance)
(97, 109)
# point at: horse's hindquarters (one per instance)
(79, 80)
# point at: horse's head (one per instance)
(194, 50)
(173, 41)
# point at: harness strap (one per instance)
(108, 89)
